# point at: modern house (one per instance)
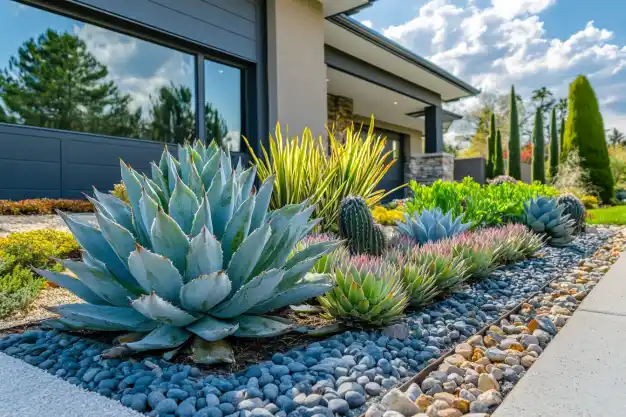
(86, 82)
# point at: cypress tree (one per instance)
(538, 167)
(499, 164)
(562, 133)
(584, 133)
(515, 168)
(491, 147)
(554, 146)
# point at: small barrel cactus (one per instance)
(575, 208)
(357, 227)
(543, 215)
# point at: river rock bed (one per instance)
(474, 380)
(337, 376)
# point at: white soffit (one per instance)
(353, 44)
(368, 99)
(333, 7)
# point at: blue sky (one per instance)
(530, 43)
(138, 68)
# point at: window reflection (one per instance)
(61, 73)
(222, 106)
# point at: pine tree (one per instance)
(515, 169)
(554, 146)
(584, 134)
(491, 147)
(499, 164)
(538, 167)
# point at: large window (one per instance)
(61, 73)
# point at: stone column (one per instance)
(427, 168)
(340, 114)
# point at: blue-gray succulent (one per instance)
(544, 215)
(431, 226)
(195, 253)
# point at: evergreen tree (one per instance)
(515, 169)
(172, 114)
(499, 164)
(554, 146)
(538, 165)
(56, 82)
(491, 147)
(584, 134)
(562, 135)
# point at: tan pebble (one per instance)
(480, 369)
(483, 361)
(478, 354)
(455, 359)
(487, 382)
(496, 330)
(464, 349)
(444, 396)
(450, 412)
(423, 401)
(490, 341)
(527, 361)
(435, 407)
(475, 340)
(462, 405)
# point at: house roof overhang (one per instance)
(351, 37)
(337, 7)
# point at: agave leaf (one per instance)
(237, 228)
(256, 326)
(101, 282)
(92, 240)
(117, 208)
(195, 183)
(252, 292)
(205, 292)
(184, 159)
(262, 202)
(120, 239)
(132, 184)
(160, 181)
(156, 308)
(315, 250)
(246, 179)
(211, 329)
(104, 318)
(183, 205)
(163, 167)
(247, 255)
(173, 171)
(202, 218)
(538, 226)
(169, 240)
(156, 273)
(148, 208)
(211, 353)
(312, 286)
(72, 284)
(163, 337)
(210, 170)
(226, 166)
(204, 256)
(222, 210)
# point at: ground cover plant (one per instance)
(480, 205)
(19, 286)
(43, 206)
(195, 252)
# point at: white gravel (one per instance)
(11, 224)
(26, 391)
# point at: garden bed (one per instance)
(337, 375)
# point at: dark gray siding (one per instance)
(470, 167)
(226, 25)
(37, 163)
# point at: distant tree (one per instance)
(499, 161)
(172, 117)
(538, 166)
(216, 127)
(491, 155)
(584, 134)
(56, 82)
(616, 138)
(554, 146)
(514, 160)
(561, 108)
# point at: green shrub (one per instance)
(584, 134)
(18, 289)
(43, 206)
(538, 163)
(515, 167)
(554, 146)
(487, 205)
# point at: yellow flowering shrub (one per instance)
(386, 216)
(590, 201)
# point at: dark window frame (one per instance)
(200, 52)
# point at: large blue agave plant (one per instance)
(195, 254)
(431, 225)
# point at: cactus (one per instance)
(357, 227)
(575, 208)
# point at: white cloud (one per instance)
(367, 23)
(508, 9)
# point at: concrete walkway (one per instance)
(582, 372)
(27, 391)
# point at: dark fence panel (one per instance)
(470, 167)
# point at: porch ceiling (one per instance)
(386, 105)
(334, 7)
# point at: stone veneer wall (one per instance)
(427, 168)
(340, 114)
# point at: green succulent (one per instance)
(439, 260)
(369, 292)
(575, 208)
(544, 216)
(195, 254)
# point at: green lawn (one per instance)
(608, 215)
